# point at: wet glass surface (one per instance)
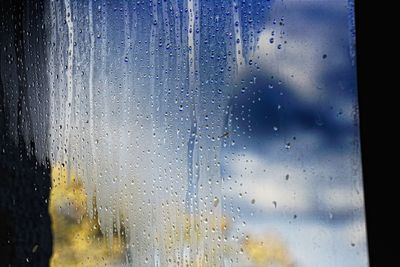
(191, 133)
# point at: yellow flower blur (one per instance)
(77, 238)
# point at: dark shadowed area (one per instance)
(25, 233)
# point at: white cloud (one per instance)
(299, 62)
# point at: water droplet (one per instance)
(35, 247)
(216, 201)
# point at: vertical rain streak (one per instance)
(237, 36)
(69, 76)
(91, 36)
(139, 103)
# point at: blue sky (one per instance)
(296, 150)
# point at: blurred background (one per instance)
(295, 168)
(281, 178)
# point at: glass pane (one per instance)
(180, 133)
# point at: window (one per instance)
(180, 133)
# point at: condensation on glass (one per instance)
(201, 133)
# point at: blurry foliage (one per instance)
(268, 251)
(77, 238)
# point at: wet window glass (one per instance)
(180, 133)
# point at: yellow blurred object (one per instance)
(190, 233)
(267, 251)
(77, 238)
